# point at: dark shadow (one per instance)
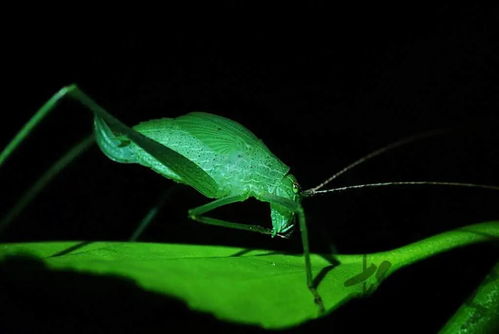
(36, 299)
(329, 258)
(241, 252)
(68, 250)
(247, 250)
(361, 277)
(320, 276)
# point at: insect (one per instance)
(218, 157)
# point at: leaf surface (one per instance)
(246, 286)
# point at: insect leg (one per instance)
(45, 179)
(197, 214)
(298, 210)
(151, 214)
(30, 125)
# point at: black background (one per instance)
(321, 89)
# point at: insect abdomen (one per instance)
(225, 150)
(111, 145)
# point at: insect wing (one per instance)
(219, 133)
(189, 171)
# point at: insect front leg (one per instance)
(298, 210)
(197, 214)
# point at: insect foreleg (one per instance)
(298, 210)
(196, 214)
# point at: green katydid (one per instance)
(216, 156)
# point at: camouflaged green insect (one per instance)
(216, 156)
(234, 163)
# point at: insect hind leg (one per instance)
(152, 213)
(115, 148)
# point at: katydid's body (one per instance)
(214, 155)
(239, 163)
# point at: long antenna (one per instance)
(375, 153)
(312, 192)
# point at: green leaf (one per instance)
(246, 286)
(480, 313)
